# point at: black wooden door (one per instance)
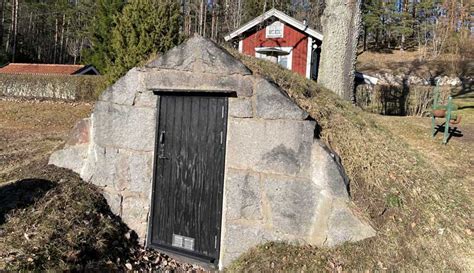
(189, 174)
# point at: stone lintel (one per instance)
(198, 82)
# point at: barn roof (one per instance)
(47, 69)
(281, 16)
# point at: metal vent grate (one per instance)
(183, 242)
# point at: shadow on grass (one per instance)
(21, 194)
(453, 131)
(467, 91)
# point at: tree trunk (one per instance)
(216, 28)
(15, 28)
(80, 51)
(30, 23)
(55, 41)
(2, 20)
(201, 18)
(61, 40)
(340, 21)
(204, 19)
(7, 41)
(402, 43)
(239, 14)
(377, 39)
(365, 39)
(213, 21)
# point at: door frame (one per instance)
(166, 248)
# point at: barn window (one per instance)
(275, 30)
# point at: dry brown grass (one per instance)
(422, 214)
(30, 130)
(414, 63)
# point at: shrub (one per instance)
(77, 88)
(398, 100)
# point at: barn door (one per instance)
(189, 173)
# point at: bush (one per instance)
(76, 88)
(398, 100)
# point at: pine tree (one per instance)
(100, 53)
(403, 26)
(144, 27)
(425, 21)
(372, 13)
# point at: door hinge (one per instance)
(215, 242)
(222, 138)
(222, 111)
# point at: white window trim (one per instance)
(282, 17)
(241, 46)
(288, 49)
(308, 57)
(267, 30)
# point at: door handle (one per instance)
(162, 137)
(161, 140)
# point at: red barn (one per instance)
(282, 39)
